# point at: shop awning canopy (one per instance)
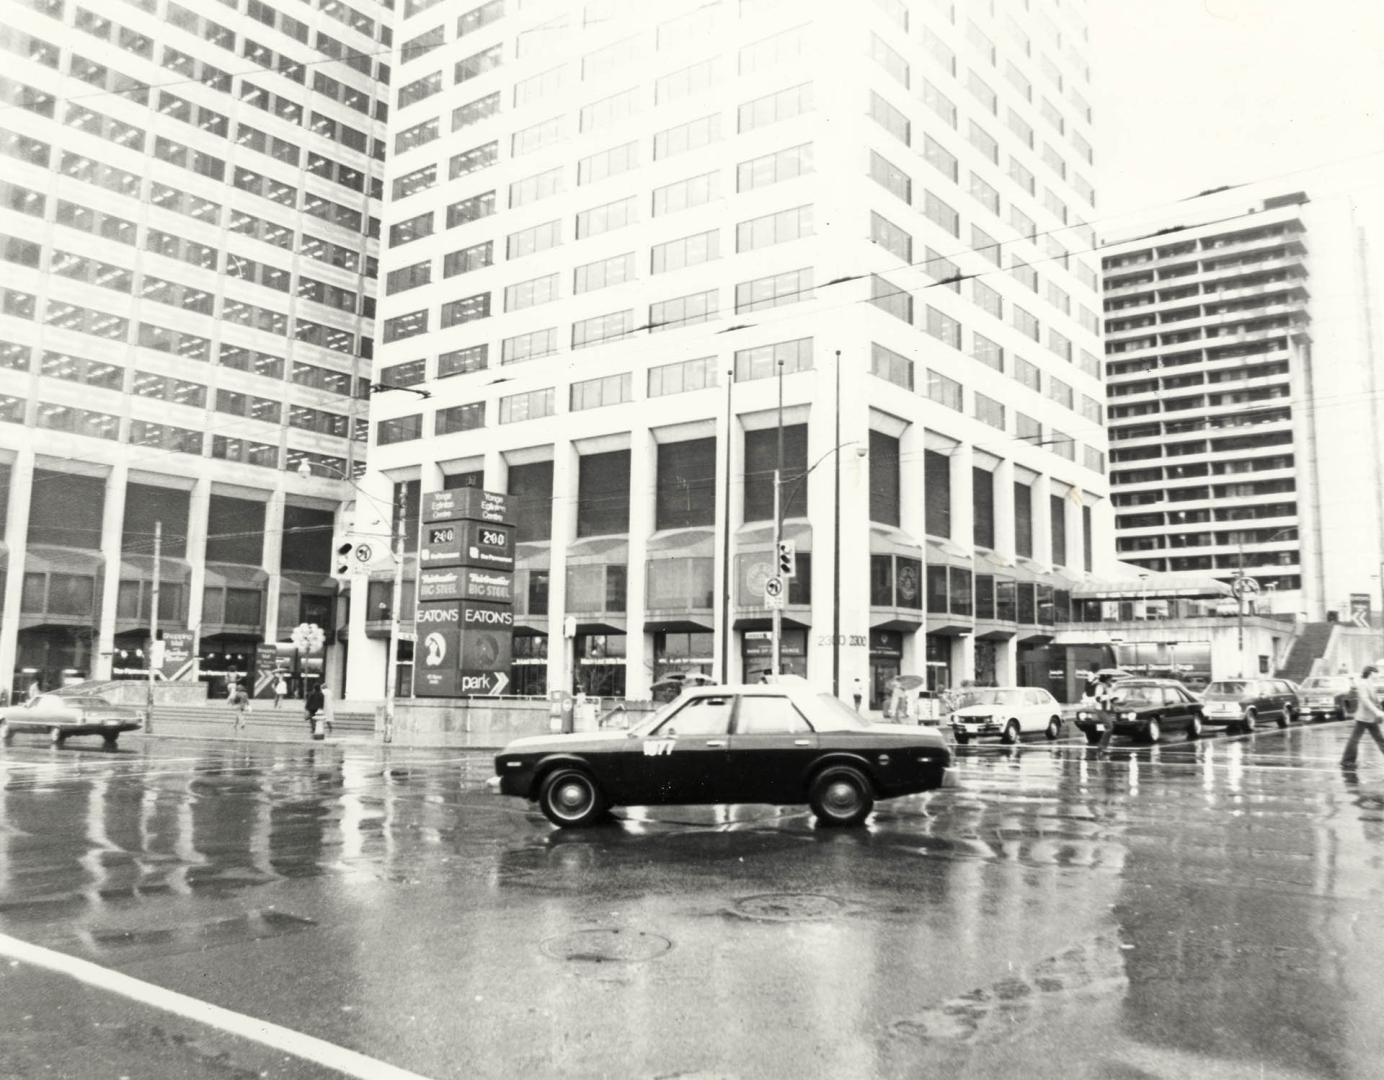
(679, 625)
(690, 543)
(763, 622)
(40, 557)
(307, 579)
(1165, 585)
(141, 568)
(903, 624)
(887, 540)
(946, 553)
(235, 575)
(761, 534)
(599, 549)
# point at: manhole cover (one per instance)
(788, 907)
(607, 946)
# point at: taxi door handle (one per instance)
(715, 742)
(802, 742)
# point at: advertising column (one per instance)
(465, 619)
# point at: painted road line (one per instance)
(306, 1047)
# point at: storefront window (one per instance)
(886, 654)
(937, 590)
(601, 664)
(908, 592)
(960, 591)
(1045, 605)
(938, 652)
(881, 581)
(757, 650)
(1028, 603)
(678, 652)
(528, 671)
(1062, 605)
(985, 596)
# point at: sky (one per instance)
(1193, 94)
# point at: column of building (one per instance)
(642, 497)
(1007, 650)
(16, 540)
(561, 665)
(112, 532)
(963, 654)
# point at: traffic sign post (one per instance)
(774, 593)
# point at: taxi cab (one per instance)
(780, 742)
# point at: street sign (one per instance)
(472, 503)
(773, 592)
(484, 683)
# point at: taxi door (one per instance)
(771, 749)
(685, 758)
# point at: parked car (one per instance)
(779, 742)
(1007, 711)
(63, 716)
(1243, 704)
(1327, 697)
(1144, 709)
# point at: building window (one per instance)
(761, 459)
(603, 493)
(988, 411)
(683, 376)
(683, 252)
(772, 108)
(685, 194)
(603, 273)
(607, 390)
(884, 478)
(1023, 520)
(936, 494)
(774, 168)
(774, 291)
(943, 327)
(399, 429)
(890, 237)
(602, 328)
(467, 417)
(533, 405)
(467, 309)
(891, 366)
(763, 361)
(683, 311)
(891, 177)
(530, 346)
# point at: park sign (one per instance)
(465, 504)
(465, 621)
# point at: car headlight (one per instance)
(1129, 716)
(1083, 716)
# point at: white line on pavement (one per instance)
(274, 1036)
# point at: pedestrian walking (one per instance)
(280, 689)
(857, 692)
(240, 702)
(327, 714)
(1367, 718)
(1104, 695)
(312, 705)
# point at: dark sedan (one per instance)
(61, 717)
(779, 742)
(1143, 709)
(1245, 703)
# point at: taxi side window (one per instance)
(763, 715)
(700, 716)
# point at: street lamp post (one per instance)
(775, 663)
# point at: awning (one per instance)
(691, 543)
(599, 549)
(601, 625)
(39, 558)
(654, 624)
(235, 576)
(904, 625)
(1162, 585)
(947, 626)
(309, 580)
(763, 622)
(1036, 638)
(532, 556)
(945, 553)
(141, 568)
(761, 533)
(988, 631)
(887, 540)
(531, 624)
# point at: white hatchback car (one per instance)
(1007, 711)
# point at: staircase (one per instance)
(1310, 647)
(263, 717)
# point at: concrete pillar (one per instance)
(273, 557)
(1004, 509)
(911, 505)
(639, 659)
(112, 527)
(198, 511)
(963, 659)
(16, 539)
(495, 471)
(560, 670)
(1007, 661)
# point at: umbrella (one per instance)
(907, 682)
(1113, 673)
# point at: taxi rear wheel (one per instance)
(841, 795)
(569, 798)
(1093, 737)
(1011, 733)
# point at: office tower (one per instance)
(190, 202)
(612, 226)
(1244, 383)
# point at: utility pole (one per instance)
(776, 661)
(725, 555)
(154, 622)
(1240, 606)
(391, 677)
(836, 548)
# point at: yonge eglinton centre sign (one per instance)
(465, 614)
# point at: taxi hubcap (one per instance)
(842, 795)
(572, 796)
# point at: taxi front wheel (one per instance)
(841, 795)
(569, 798)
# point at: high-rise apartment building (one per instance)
(612, 226)
(1244, 385)
(189, 202)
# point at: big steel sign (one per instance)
(465, 622)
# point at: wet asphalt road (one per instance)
(1208, 909)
